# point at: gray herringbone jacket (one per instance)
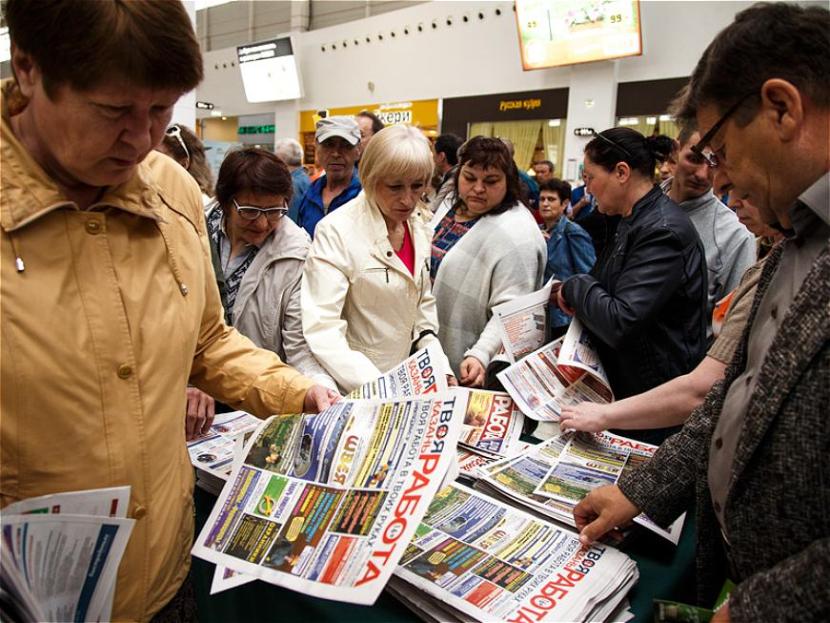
(777, 511)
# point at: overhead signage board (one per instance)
(269, 70)
(553, 33)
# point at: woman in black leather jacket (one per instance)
(644, 302)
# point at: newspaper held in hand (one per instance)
(564, 372)
(325, 504)
(475, 558)
(419, 374)
(60, 554)
(552, 477)
(523, 322)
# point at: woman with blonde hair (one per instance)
(366, 294)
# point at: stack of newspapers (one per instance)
(360, 498)
(491, 431)
(551, 478)
(60, 554)
(474, 558)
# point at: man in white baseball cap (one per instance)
(337, 152)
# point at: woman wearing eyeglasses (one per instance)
(645, 301)
(366, 293)
(259, 256)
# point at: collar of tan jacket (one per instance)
(29, 192)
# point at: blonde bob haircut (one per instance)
(396, 152)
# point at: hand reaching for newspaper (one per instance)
(472, 372)
(603, 511)
(199, 413)
(585, 416)
(319, 398)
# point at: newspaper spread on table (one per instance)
(325, 504)
(565, 371)
(523, 322)
(417, 375)
(552, 477)
(477, 558)
(61, 552)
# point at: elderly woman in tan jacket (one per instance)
(366, 291)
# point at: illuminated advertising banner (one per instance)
(553, 33)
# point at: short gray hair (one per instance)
(289, 151)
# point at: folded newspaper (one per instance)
(523, 321)
(325, 504)
(475, 558)
(551, 478)
(60, 553)
(566, 371)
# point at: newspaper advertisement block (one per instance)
(522, 322)
(325, 504)
(554, 476)
(564, 372)
(483, 560)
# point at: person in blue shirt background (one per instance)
(570, 250)
(337, 152)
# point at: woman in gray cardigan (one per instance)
(486, 250)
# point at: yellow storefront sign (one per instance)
(420, 113)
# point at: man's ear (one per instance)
(25, 70)
(783, 106)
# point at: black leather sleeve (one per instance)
(649, 273)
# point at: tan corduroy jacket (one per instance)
(115, 308)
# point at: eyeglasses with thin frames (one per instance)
(710, 157)
(176, 132)
(252, 213)
(615, 144)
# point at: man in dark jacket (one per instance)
(754, 455)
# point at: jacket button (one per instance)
(124, 371)
(140, 512)
(93, 227)
(388, 254)
(718, 443)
